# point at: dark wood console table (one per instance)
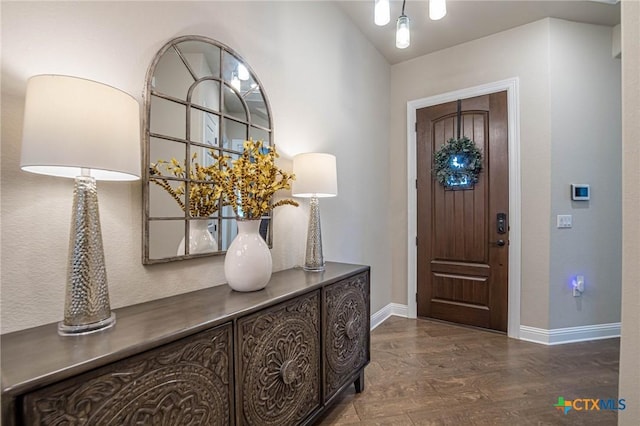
(278, 356)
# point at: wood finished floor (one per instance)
(430, 373)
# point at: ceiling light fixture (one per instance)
(403, 35)
(381, 12)
(437, 9)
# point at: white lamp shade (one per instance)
(315, 175)
(72, 124)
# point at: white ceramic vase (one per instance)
(247, 264)
(200, 239)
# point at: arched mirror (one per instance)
(201, 100)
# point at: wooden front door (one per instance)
(462, 252)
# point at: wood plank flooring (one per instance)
(430, 373)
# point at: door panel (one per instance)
(462, 273)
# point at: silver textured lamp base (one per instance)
(72, 330)
(313, 260)
(86, 307)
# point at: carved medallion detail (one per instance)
(185, 383)
(346, 334)
(280, 362)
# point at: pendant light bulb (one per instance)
(437, 9)
(403, 36)
(381, 12)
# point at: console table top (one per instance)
(39, 356)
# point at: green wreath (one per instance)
(458, 163)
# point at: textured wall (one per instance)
(630, 342)
(521, 52)
(566, 73)
(328, 91)
(586, 143)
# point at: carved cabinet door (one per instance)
(188, 382)
(346, 331)
(279, 363)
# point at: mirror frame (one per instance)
(149, 93)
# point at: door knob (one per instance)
(499, 243)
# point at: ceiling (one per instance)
(468, 20)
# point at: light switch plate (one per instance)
(565, 221)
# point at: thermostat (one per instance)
(580, 192)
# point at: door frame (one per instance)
(511, 86)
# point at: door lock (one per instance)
(501, 223)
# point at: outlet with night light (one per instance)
(578, 285)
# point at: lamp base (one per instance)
(87, 308)
(313, 260)
(313, 268)
(75, 330)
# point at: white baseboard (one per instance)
(391, 309)
(559, 336)
(556, 336)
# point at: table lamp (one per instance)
(316, 177)
(81, 129)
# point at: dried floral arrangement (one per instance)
(204, 184)
(250, 182)
(247, 184)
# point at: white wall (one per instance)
(521, 52)
(328, 91)
(569, 87)
(586, 142)
(630, 342)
